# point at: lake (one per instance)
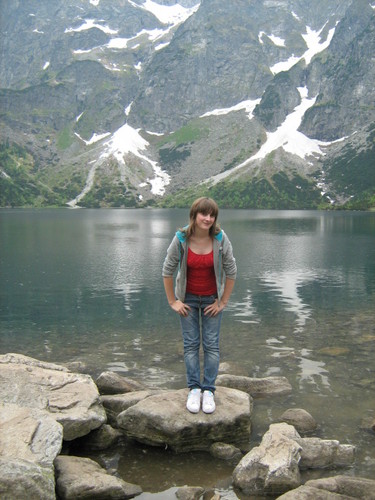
(85, 285)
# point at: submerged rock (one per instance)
(163, 420)
(300, 419)
(232, 368)
(72, 399)
(225, 451)
(334, 351)
(256, 387)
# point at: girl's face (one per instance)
(204, 221)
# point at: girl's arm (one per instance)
(178, 306)
(216, 307)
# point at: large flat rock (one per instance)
(163, 420)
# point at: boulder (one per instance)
(272, 467)
(113, 383)
(356, 487)
(333, 488)
(163, 420)
(72, 399)
(29, 435)
(300, 419)
(83, 478)
(256, 387)
(20, 479)
(321, 453)
(310, 493)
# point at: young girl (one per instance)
(206, 270)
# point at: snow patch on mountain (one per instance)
(167, 14)
(287, 137)
(88, 24)
(128, 140)
(124, 141)
(122, 43)
(314, 46)
(279, 42)
(94, 138)
(248, 106)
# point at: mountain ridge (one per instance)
(137, 103)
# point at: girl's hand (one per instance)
(180, 308)
(214, 308)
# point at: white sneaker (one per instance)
(208, 404)
(193, 402)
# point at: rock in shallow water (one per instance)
(83, 478)
(163, 420)
(256, 387)
(333, 488)
(274, 466)
(300, 419)
(113, 383)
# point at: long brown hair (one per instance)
(203, 206)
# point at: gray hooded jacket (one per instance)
(176, 259)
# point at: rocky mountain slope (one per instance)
(261, 104)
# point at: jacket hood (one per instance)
(181, 235)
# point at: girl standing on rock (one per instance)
(206, 270)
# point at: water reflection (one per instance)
(312, 372)
(244, 310)
(287, 285)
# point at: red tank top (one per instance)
(201, 274)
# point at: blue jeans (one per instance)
(192, 325)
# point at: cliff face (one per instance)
(122, 103)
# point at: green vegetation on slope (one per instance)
(19, 186)
(353, 173)
(280, 192)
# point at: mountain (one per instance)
(258, 103)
